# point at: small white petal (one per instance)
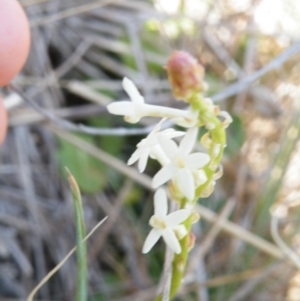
(185, 183)
(122, 108)
(132, 91)
(143, 160)
(177, 217)
(132, 119)
(190, 120)
(158, 154)
(164, 175)
(196, 160)
(169, 146)
(167, 112)
(171, 133)
(158, 126)
(188, 142)
(171, 240)
(160, 203)
(151, 240)
(134, 157)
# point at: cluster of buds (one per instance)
(189, 174)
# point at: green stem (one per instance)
(81, 281)
(179, 261)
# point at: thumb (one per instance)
(14, 40)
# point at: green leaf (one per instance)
(89, 172)
(81, 282)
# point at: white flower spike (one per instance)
(150, 146)
(135, 109)
(165, 225)
(182, 163)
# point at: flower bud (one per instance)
(175, 193)
(180, 231)
(185, 75)
(195, 217)
(191, 243)
(219, 173)
(200, 177)
(206, 141)
(208, 190)
(216, 150)
(227, 118)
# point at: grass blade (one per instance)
(81, 282)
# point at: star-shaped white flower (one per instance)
(135, 109)
(165, 225)
(150, 146)
(182, 163)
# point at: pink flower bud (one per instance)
(191, 241)
(185, 75)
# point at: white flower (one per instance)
(150, 146)
(165, 225)
(182, 163)
(135, 109)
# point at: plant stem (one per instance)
(81, 281)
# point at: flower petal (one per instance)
(177, 217)
(158, 154)
(132, 91)
(132, 119)
(151, 240)
(190, 120)
(171, 133)
(160, 202)
(143, 159)
(123, 108)
(134, 157)
(164, 175)
(171, 240)
(169, 146)
(188, 142)
(196, 160)
(185, 183)
(158, 126)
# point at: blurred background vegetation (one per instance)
(80, 52)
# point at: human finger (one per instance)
(14, 40)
